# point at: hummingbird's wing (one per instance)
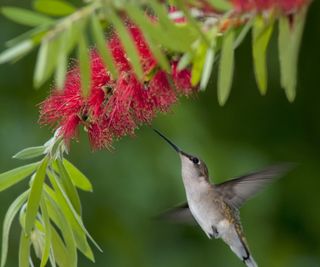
(236, 191)
(178, 214)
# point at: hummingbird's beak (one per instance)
(176, 148)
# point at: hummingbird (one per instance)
(215, 207)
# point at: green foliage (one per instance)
(58, 37)
(45, 204)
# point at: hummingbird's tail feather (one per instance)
(250, 262)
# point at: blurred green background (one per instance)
(141, 177)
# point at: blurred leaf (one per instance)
(35, 195)
(207, 68)
(68, 253)
(243, 33)
(226, 67)
(24, 250)
(288, 44)
(16, 51)
(184, 61)
(54, 7)
(8, 219)
(25, 16)
(101, 43)
(30, 152)
(84, 64)
(70, 214)
(62, 61)
(198, 62)
(68, 187)
(128, 43)
(147, 27)
(221, 5)
(47, 233)
(60, 252)
(77, 177)
(46, 60)
(14, 176)
(261, 34)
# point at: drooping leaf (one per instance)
(35, 195)
(84, 65)
(14, 176)
(30, 152)
(226, 67)
(24, 249)
(77, 177)
(184, 61)
(54, 7)
(243, 33)
(68, 187)
(289, 41)
(47, 232)
(25, 16)
(8, 219)
(67, 253)
(221, 5)
(261, 34)
(198, 62)
(127, 41)
(17, 51)
(99, 38)
(62, 61)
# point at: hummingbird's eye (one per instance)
(195, 160)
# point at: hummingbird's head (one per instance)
(192, 166)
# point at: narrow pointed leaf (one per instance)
(288, 44)
(16, 51)
(77, 177)
(25, 16)
(68, 187)
(243, 33)
(62, 61)
(24, 250)
(47, 232)
(8, 219)
(30, 152)
(127, 42)
(35, 196)
(101, 43)
(207, 68)
(221, 5)
(84, 64)
(261, 34)
(14, 176)
(198, 63)
(226, 67)
(54, 7)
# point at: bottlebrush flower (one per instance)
(285, 6)
(114, 108)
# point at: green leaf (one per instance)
(261, 34)
(288, 44)
(62, 61)
(70, 214)
(68, 187)
(47, 233)
(46, 60)
(66, 254)
(243, 33)
(207, 68)
(30, 152)
(24, 250)
(198, 62)
(77, 177)
(14, 176)
(54, 7)
(16, 51)
(127, 42)
(25, 16)
(98, 35)
(226, 67)
(8, 219)
(84, 64)
(35, 195)
(184, 61)
(139, 18)
(221, 5)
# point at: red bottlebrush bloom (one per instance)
(114, 108)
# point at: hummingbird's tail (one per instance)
(250, 262)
